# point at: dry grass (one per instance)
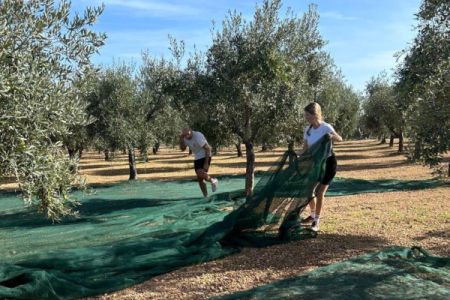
(353, 225)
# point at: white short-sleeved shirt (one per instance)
(196, 144)
(317, 134)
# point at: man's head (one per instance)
(187, 132)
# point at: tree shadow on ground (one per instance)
(362, 167)
(308, 252)
(338, 151)
(140, 170)
(435, 233)
(355, 157)
(94, 207)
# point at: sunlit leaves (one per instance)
(42, 54)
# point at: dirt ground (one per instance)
(351, 226)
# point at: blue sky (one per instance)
(363, 35)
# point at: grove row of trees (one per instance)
(416, 101)
(249, 87)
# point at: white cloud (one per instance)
(373, 61)
(158, 38)
(337, 15)
(158, 9)
(129, 44)
(401, 29)
(359, 70)
(130, 55)
(336, 44)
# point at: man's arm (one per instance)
(182, 144)
(207, 154)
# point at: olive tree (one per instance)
(42, 52)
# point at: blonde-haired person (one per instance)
(314, 132)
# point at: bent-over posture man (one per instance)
(197, 143)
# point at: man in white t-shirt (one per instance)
(197, 143)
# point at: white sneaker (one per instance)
(214, 185)
(315, 226)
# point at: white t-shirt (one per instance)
(196, 144)
(317, 134)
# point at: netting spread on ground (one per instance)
(391, 274)
(130, 232)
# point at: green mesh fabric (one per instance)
(130, 232)
(391, 274)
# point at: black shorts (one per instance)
(330, 170)
(199, 163)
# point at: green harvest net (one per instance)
(130, 232)
(391, 274)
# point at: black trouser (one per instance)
(200, 163)
(330, 170)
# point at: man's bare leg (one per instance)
(202, 176)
